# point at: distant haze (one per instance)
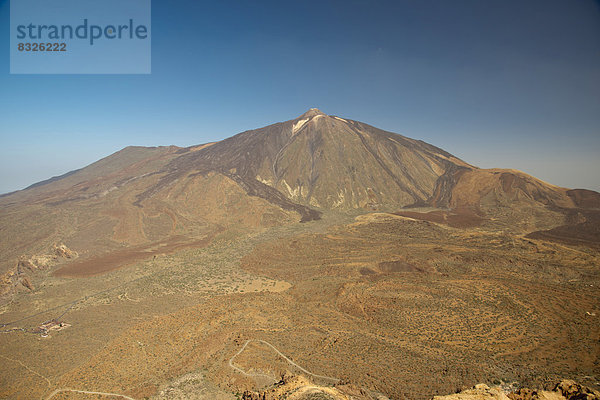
(501, 83)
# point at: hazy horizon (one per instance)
(502, 84)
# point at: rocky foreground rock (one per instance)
(300, 388)
(566, 389)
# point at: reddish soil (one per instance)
(107, 262)
(398, 266)
(584, 233)
(367, 271)
(585, 198)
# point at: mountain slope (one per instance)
(279, 174)
(165, 262)
(328, 162)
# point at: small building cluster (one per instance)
(52, 325)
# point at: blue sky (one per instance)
(499, 83)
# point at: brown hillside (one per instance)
(173, 272)
(279, 174)
(328, 162)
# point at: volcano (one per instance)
(287, 172)
(366, 262)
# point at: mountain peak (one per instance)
(311, 113)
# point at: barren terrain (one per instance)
(349, 260)
(395, 305)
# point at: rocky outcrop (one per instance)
(25, 281)
(294, 387)
(58, 253)
(564, 390)
(529, 394)
(63, 251)
(574, 391)
(479, 392)
(20, 276)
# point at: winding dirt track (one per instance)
(28, 369)
(278, 353)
